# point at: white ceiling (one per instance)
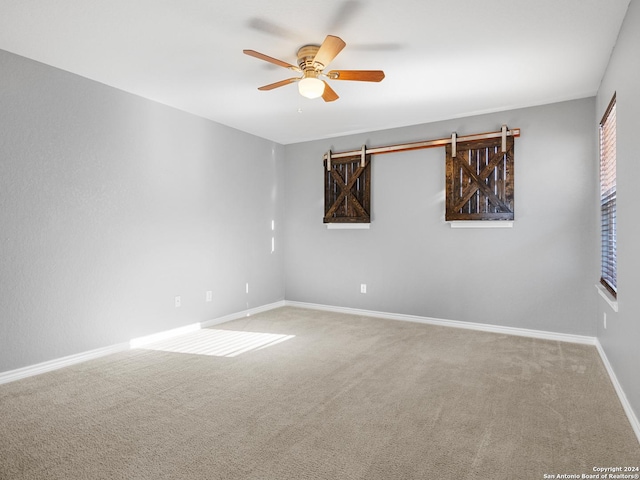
(442, 58)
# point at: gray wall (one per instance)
(538, 275)
(621, 339)
(110, 205)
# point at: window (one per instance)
(608, 198)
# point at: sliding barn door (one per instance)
(479, 181)
(347, 190)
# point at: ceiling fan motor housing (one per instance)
(306, 55)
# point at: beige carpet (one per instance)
(346, 397)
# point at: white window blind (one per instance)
(608, 198)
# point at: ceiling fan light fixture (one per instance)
(311, 87)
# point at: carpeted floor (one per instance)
(327, 396)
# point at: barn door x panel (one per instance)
(347, 190)
(479, 180)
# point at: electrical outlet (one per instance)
(178, 301)
(363, 288)
(605, 320)
(209, 296)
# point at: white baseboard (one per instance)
(522, 332)
(633, 419)
(48, 366)
(242, 314)
(31, 370)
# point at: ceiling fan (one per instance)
(312, 60)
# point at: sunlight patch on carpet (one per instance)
(218, 343)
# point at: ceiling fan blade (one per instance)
(357, 75)
(331, 47)
(267, 58)
(329, 95)
(281, 83)
(346, 12)
(271, 28)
